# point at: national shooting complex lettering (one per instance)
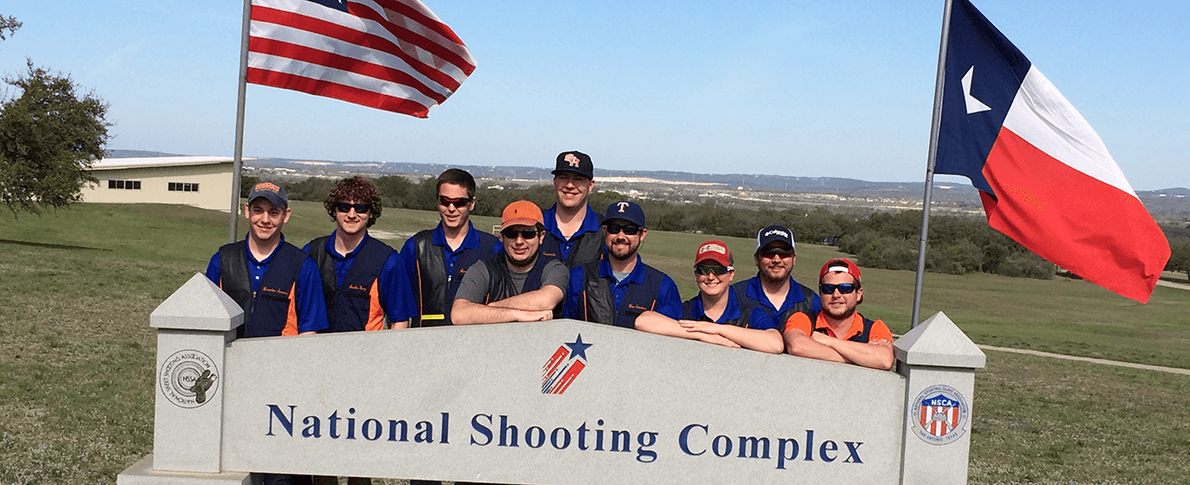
(498, 430)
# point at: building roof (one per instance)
(143, 162)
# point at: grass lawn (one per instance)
(77, 354)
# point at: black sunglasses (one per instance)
(458, 202)
(709, 269)
(360, 208)
(629, 229)
(844, 288)
(770, 252)
(511, 233)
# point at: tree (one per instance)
(1179, 257)
(8, 24)
(49, 136)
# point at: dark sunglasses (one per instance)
(511, 233)
(844, 288)
(360, 208)
(770, 252)
(629, 229)
(709, 269)
(458, 202)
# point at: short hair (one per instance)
(358, 189)
(457, 177)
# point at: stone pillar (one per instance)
(194, 326)
(939, 363)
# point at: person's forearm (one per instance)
(749, 338)
(878, 355)
(465, 312)
(802, 346)
(545, 298)
(659, 324)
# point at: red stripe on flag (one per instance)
(416, 38)
(338, 91)
(1076, 221)
(336, 31)
(335, 61)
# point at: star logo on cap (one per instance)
(572, 160)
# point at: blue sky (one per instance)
(800, 88)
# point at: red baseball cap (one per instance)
(840, 265)
(713, 250)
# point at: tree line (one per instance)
(889, 240)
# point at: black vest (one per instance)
(266, 312)
(500, 285)
(587, 247)
(599, 306)
(434, 289)
(349, 307)
(805, 306)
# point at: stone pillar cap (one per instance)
(198, 305)
(938, 342)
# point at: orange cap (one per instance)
(521, 213)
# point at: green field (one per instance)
(77, 353)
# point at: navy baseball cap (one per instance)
(627, 211)
(576, 162)
(772, 234)
(271, 191)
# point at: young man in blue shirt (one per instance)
(620, 287)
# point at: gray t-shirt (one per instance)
(474, 287)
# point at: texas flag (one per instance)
(1045, 178)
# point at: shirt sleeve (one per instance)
(574, 293)
(798, 321)
(474, 286)
(879, 332)
(214, 269)
(555, 273)
(311, 304)
(396, 290)
(669, 301)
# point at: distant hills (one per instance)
(1173, 202)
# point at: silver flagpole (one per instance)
(238, 163)
(935, 122)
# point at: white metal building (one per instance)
(198, 181)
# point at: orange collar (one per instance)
(857, 326)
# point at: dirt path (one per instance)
(1171, 370)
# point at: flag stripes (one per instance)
(387, 54)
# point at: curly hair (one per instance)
(358, 189)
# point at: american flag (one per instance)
(394, 55)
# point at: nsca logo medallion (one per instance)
(564, 366)
(188, 378)
(940, 415)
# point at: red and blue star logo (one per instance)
(564, 366)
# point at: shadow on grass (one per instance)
(46, 245)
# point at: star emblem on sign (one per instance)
(578, 349)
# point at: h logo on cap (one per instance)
(623, 205)
(572, 160)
